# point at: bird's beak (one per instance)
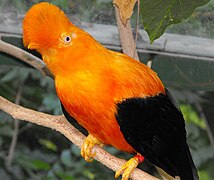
(29, 46)
(32, 45)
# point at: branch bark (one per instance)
(126, 37)
(60, 124)
(127, 40)
(25, 57)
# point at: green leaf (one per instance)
(191, 116)
(65, 176)
(28, 164)
(89, 174)
(40, 165)
(204, 175)
(48, 144)
(63, 3)
(25, 162)
(158, 15)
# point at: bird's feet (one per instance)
(129, 167)
(87, 146)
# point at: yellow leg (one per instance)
(129, 167)
(87, 146)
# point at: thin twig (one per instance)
(59, 123)
(137, 24)
(9, 158)
(149, 61)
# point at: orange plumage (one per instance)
(98, 86)
(90, 93)
(89, 78)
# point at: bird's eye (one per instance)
(67, 39)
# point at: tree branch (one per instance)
(127, 40)
(60, 124)
(126, 36)
(25, 57)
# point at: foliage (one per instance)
(191, 116)
(158, 15)
(199, 24)
(198, 140)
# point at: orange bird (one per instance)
(119, 101)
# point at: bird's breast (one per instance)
(89, 102)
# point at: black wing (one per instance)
(155, 128)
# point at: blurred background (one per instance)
(183, 58)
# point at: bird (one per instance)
(118, 100)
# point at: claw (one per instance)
(129, 167)
(87, 146)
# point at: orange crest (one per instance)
(43, 26)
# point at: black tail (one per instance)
(155, 128)
(186, 167)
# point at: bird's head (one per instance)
(47, 30)
(46, 27)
